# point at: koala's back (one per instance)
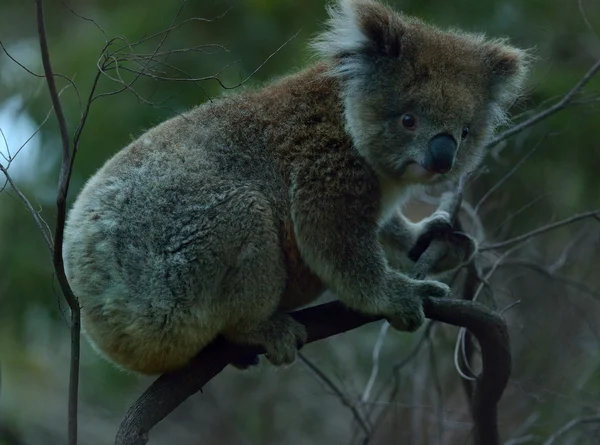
(155, 235)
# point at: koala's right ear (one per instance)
(359, 28)
(508, 67)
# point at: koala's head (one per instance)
(420, 102)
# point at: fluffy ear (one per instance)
(359, 28)
(508, 68)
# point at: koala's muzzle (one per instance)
(440, 153)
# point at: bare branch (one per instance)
(76, 14)
(11, 157)
(539, 231)
(566, 100)
(39, 221)
(586, 20)
(362, 422)
(17, 62)
(62, 76)
(579, 285)
(569, 426)
(174, 26)
(438, 390)
(520, 440)
(398, 366)
(507, 176)
(188, 78)
(519, 211)
(510, 306)
(63, 188)
(375, 368)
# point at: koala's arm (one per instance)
(404, 241)
(397, 236)
(335, 224)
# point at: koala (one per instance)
(220, 221)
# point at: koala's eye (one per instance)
(409, 121)
(465, 132)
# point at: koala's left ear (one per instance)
(359, 28)
(507, 67)
(382, 27)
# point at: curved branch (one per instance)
(324, 321)
(170, 390)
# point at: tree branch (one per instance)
(566, 100)
(540, 230)
(569, 426)
(61, 207)
(352, 406)
(324, 321)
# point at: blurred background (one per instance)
(549, 286)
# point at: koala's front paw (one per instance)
(460, 247)
(407, 309)
(437, 226)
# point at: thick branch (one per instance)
(326, 320)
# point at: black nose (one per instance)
(440, 156)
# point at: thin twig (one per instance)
(567, 98)
(32, 135)
(569, 426)
(375, 368)
(362, 422)
(586, 20)
(579, 285)
(510, 306)
(519, 211)
(521, 440)
(507, 176)
(540, 230)
(76, 14)
(438, 391)
(39, 222)
(396, 369)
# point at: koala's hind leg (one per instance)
(280, 335)
(250, 293)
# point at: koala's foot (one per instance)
(280, 335)
(406, 311)
(460, 247)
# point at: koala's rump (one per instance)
(149, 244)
